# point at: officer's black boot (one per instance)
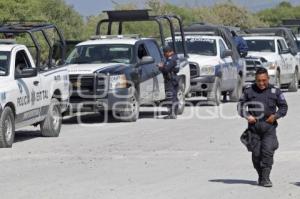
(259, 172)
(265, 180)
(172, 113)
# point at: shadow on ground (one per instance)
(296, 184)
(234, 181)
(22, 136)
(98, 118)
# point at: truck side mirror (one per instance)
(146, 60)
(26, 73)
(226, 53)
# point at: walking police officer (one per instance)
(262, 105)
(169, 69)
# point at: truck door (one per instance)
(145, 73)
(228, 69)
(28, 107)
(158, 79)
(288, 60)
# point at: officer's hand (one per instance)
(251, 119)
(271, 119)
(160, 65)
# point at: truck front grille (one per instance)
(89, 86)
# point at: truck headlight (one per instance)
(117, 81)
(272, 65)
(207, 70)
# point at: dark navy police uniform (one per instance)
(261, 104)
(170, 71)
(241, 45)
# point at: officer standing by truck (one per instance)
(241, 44)
(170, 70)
(262, 105)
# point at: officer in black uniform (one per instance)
(170, 70)
(262, 105)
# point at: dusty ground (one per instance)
(188, 158)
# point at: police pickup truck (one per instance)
(215, 66)
(119, 73)
(29, 94)
(281, 64)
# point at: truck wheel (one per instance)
(132, 111)
(238, 90)
(181, 99)
(277, 80)
(51, 126)
(215, 95)
(293, 87)
(7, 128)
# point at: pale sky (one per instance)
(94, 7)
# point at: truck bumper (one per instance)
(203, 84)
(116, 99)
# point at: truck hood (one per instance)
(203, 60)
(269, 56)
(77, 69)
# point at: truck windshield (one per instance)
(261, 45)
(4, 63)
(103, 53)
(199, 46)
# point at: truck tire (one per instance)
(51, 126)
(132, 112)
(278, 80)
(293, 87)
(181, 98)
(7, 128)
(238, 90)
(215, 95)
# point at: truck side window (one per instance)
(22, 61)
(142, 52)
(222, 46)
(154, 51)
(281, 45)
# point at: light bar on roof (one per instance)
(200, 33)
(132, 36)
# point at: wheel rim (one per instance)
(296, 80)
(55, 118)
(218, 95)
(134, 105)
(8, 129)
(180, 97)
(277, 81)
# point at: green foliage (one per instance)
(53, 11)
(284, 10)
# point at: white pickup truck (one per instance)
(29, 95)
(212, 68)
(281, 64)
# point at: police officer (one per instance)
(170, 70)
(262, 105)
(241, 44)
